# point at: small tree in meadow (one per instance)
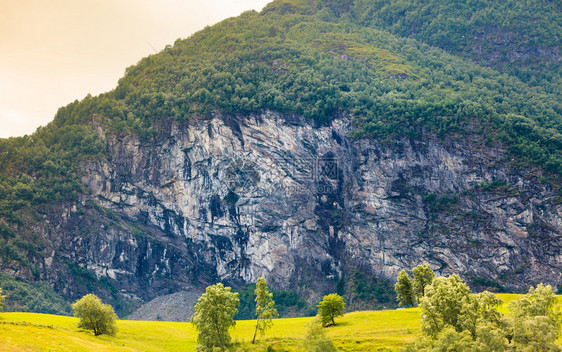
(423, 276)
(329, 308)
(214, 315)
(404, 290)
(94, 315)
(265, 307)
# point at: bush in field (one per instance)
(315, 340)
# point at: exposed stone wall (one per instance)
(236, 198)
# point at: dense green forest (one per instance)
(521, 38)
(323, 60)
(25, 297)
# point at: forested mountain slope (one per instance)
(304, 143)
(521, 38)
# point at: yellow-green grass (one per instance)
(386, 330)
(43, 332)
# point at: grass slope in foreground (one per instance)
(386, 330)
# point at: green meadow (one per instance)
(385, 330)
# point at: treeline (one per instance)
(297, 59)
(455, 319)
(37, 298)
(452, 317)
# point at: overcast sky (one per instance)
(53, 52)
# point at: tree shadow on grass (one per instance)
(338, 323)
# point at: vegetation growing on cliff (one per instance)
(21, 296)
(287, 303)
(297, 59)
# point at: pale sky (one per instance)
(53, 52)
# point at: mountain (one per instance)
(314, 143)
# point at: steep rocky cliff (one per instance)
(303, 145)
(234, 198)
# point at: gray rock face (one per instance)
(235, 198)
(177, 306)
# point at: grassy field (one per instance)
(386, 330)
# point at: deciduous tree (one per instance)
(453, 319)
(443, 304)
(214, 315)
(422, 276)
(329, 308)
(534, 320)
(404, 290)
(94, 315)
(265, 307)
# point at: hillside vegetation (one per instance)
(520, 38)
(358, 331)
